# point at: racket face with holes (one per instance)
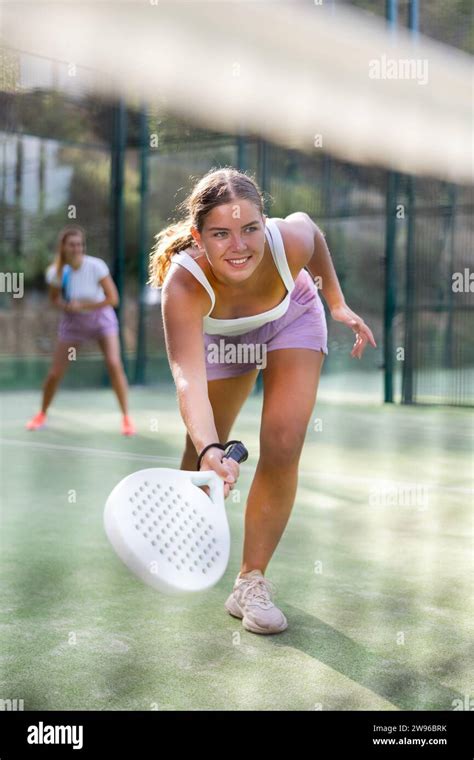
(168, 531)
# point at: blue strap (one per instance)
(66, 276)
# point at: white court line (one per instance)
(89, 451)
(157, 460)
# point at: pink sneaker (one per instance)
(128, 428)
(37, 422)
(251, 601)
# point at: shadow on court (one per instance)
(405, 688)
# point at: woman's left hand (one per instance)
(363, 332)
(73, 307)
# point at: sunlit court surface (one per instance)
(190, 192)
(378, 592)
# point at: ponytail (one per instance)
(173, 239)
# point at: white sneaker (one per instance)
(251, 601)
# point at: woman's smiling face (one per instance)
(73, 249)
(233, 239)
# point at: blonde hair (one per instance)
(69, 231)
(215, 188)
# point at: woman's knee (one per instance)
(55, 374)
(281, 445)
(114, 364)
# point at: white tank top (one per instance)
(242, 325)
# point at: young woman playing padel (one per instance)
(82, 288)
(230, 277)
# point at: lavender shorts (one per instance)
(89, 325)
(303, 326)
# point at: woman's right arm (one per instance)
(184, 303)
(183, 311)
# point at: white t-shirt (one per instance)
(81, 284)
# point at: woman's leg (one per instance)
(61, 360)
(290, 381)
(110, 347)
(227, 397)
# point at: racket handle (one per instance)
(237, 451)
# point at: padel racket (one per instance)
(166, 529)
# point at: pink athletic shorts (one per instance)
(303, 326)
(87, 325)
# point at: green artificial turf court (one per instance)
(377, 594)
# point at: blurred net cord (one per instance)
(287, 71)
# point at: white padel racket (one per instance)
(167, 530)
